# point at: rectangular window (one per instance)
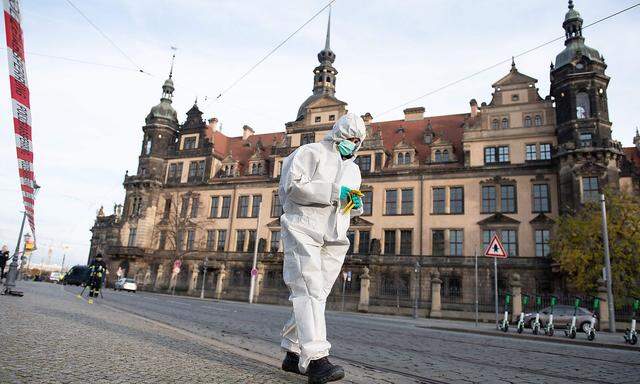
(437, 242)
(367, 203)
(407, 202)
(545, 151)
(200, 171)
(307, 138)
(215, 202)
(255, 207)
(379, 164)
(226, 206)
(185, 207)
(364, 162)
(275, 241)
(189, 142)
(162, 244)
(175, 173)
(439, 196)
(276, 207)
(541, 198)
(542, 243)
(351, 235)
(251, 240)
(486, 238)
(167, 208)
(509, 239)
(503, 154)
(406, 242)
(332, 117)
(530, 152)
(508, 201)
(488, 199)
(222, 239)
(585, 139)
(193, 171)
(191, 238)
(456, 200)
(317, 119)
(590, 190)
(489, 155)
(363, 246)
(390, 242)
(391, 202)
(195, 204)
(132, 237)
(455, 242)
(211, 239)
(243, 206)
(180, 240)
(240, 236)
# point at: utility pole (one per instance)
(416, 270)
(204, 275)
(254, 270)
(607, 266)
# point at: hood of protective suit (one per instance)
(348, 126)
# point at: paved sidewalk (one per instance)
(50, 336)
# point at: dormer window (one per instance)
(494, 124)
(257, 168)
(505, 123)
(404, 158)
(445, 155)
(438, 156)
(189, 142)
(332, 117)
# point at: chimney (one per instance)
(474, 108)
(367, 118)
(412, 114)
(247, 131)
(213, 124)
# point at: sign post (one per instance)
(475, 255)
(495, 250)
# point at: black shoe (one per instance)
(290, 363)
(322, 371)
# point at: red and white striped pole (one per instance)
(21, 106)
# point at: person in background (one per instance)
(4, 257)
(97, 270)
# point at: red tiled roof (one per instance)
(447, 127)
(223, 145)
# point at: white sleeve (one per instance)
(300, 186)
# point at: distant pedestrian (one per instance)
(97, 270)
(4, 256)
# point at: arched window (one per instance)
(438, 156)
(400, 158)
(494, 124)
(583, 110)
(328, 79)
(505, 123)
(407, 158)
(259, 168)
(445, 155)
(527, 121)
(148, 147)
(538, 120)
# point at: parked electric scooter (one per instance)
(504, 324)
(591, 332)
(548, 328)
(570, 330)
(525, 301)
(631, 335)
(535, 324)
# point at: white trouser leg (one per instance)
(309, 270)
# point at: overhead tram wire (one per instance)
(445, 86)
(273, 50)
(139, 68)
(80, 61)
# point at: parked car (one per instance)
(77, 275)
(126, 284)
(55, 277)
(562, 316)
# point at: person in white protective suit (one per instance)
(316, 182)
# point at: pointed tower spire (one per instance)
(327, 44)
(167, 87)
(513, 64)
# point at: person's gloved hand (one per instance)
(344, 192)
(357, 201)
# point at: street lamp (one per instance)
(205, 264)
(12, 275)
(416, 271)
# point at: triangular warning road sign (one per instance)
(495, 248)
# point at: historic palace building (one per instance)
(436, 189)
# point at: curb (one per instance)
(535, 338)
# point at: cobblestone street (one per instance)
(147, 337)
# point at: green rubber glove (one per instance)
(344, 192)
(357, 201)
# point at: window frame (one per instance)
(530, 152)
(487, 208)
(389, 245)
(544, 153)
(508, 199)
(391, 205)
(406, 203)
(454, 202)
(542, 247)
(540, 203)
(437, 247)
(456, 242)
(438, 206)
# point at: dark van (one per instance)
(77, 275)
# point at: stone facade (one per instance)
(436, 188)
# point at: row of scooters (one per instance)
(570, 331)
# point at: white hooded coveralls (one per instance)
(314, 233)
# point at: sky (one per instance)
(87, 118)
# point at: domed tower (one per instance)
(159, 133)
(587, 155)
